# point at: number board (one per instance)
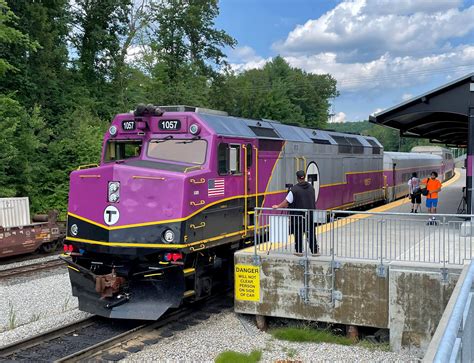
(128, 125)
(169, 125)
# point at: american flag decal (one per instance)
(215, 187)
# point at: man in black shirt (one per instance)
(301, 196)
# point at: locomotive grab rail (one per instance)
(87, 166)
(96, 176)
(245, 190)
(297, 162)
(201, 247)
(192, 167)
(201, 225)
(194, 181)
(148, 177)
(201, 202)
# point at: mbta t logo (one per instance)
(111, 215)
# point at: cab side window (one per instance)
(228, 159)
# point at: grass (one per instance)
(35, 317)
(11, 316)
(307, 334)
(384, 347)
(66, 305)
(230, 356)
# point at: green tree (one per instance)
(278, 92)
(79, 142)
(186, 50)
(41, 76)
(98, 26)
(9, 38)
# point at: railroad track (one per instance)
(107, 339)
(20, 270)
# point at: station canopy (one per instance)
(440, 115)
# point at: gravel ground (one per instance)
(224, 331)
(35, 303)
(28, 262)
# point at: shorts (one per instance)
(415, 198)
(431, 202)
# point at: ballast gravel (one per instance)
(27, 262)
(229, 331)
(34, 303)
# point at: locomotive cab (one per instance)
(135, 222)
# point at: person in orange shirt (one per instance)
(434, 187)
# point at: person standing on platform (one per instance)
(301, 196)
(433, 185)
(415, 193)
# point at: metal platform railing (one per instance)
(454, 336)
(365, 235)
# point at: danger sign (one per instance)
(247, 282)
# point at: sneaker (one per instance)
(299, 254)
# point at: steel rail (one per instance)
(20, 270)
(105, 346)
(48, 335)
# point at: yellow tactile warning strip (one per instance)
(354, 218)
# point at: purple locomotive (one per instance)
(158, 221)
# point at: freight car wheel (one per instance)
(48, 247)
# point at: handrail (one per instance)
(256, 176)
(463, 216)
(87, 166)
(450, 335)
(201, 225)
(201, 202)
(245, 190)
(200, 181)
(192, 167)
(97, 176)
(147, 177)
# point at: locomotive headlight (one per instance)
(168, 236)
(194, 129)
(114, 192)
(113, 130)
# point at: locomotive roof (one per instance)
(269, 129)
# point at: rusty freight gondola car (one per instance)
(20, 235)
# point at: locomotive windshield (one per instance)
(185, 150)
(122, 149)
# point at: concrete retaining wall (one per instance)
(409, 299)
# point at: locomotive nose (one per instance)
(122, 206)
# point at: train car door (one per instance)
(227, 189)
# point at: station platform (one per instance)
(384, 268)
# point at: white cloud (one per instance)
(406, 96)
(245, 58)
(361, 30)
(369, 44)
(377, 110)
(338, 118)
(387, 70)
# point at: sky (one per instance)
(381, 52)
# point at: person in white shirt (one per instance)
(415, 193)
